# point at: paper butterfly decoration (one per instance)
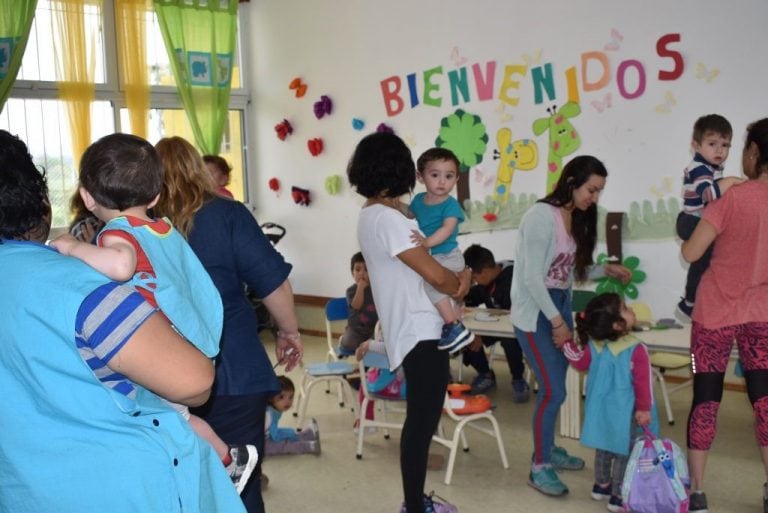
(503, 116)
(358, 124)
(333, 184)
(666, 188)
(669, 102)
(532, 59)
(383, 127)
(300, 196)
(708, 75)
(315, 146)
(457, 59)
(299, 87)
(283, 129)
(615, 41)
(323, 106)
(483, 177)
(601, 105)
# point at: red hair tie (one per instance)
(581, 315)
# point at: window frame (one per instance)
(161, 97)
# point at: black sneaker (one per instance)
(601, 493)
(483, 383)
(244, 459)
(698, 503)
(684, 310)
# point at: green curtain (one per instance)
(15, 24)
(200, 39)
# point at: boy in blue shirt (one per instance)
(439, 214)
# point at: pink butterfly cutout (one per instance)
(457, 59)
(483, 178)
(614, 43)
(601, 105)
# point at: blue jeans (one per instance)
(549, 365)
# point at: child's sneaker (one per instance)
(521, 392)
(684, 310)
(698, 503)
(546, 481)
(561, 460)
(433, 506)
(601, 493)
(244, 459)
(483, 383)
(455, 337)
(615, 505)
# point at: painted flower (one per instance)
(490, 217)
(608, 284)
(465, 135)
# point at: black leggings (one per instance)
(427, 375)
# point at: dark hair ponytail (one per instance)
(598, 318)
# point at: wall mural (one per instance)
(488, 197)
(465, 133)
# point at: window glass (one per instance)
(44, 126)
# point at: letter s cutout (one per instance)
(663, 51)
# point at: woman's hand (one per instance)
(289, 349)
(619, 272)
(465, 282)
(561, 333)
(361, 350)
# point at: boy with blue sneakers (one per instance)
(439, 215)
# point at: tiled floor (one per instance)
(337, 482)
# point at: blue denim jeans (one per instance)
(549, 365)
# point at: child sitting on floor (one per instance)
(288, 440)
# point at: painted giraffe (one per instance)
(563, 138)
(522, 154)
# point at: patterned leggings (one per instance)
(710, 350)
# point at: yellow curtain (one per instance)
(131, 20)
(75, 57)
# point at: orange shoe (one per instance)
(470, 404)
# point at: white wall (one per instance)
(345, 48)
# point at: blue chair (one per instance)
(335, 310)
(330, 371)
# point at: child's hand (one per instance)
(361, 350)
(64, 243)
(363, 282)
(417, 238)
(643, 418)
(619, 272)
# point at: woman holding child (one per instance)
(233, 249)
(731, 303)
(556, 240)
(382, 170)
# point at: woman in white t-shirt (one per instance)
(382, 170)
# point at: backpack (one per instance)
(656, 480)
(385, 383)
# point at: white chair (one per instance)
(384, 404)
(332, 370)
(472, 420)
(458, 437)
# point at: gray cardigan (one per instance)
(534, 254)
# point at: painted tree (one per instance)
(464, 134)
(563, 138)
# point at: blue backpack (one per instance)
(656, 480)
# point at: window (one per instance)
(34, 113)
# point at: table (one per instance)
(672, 340)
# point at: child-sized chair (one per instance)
(467, 411)
(332, 370)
